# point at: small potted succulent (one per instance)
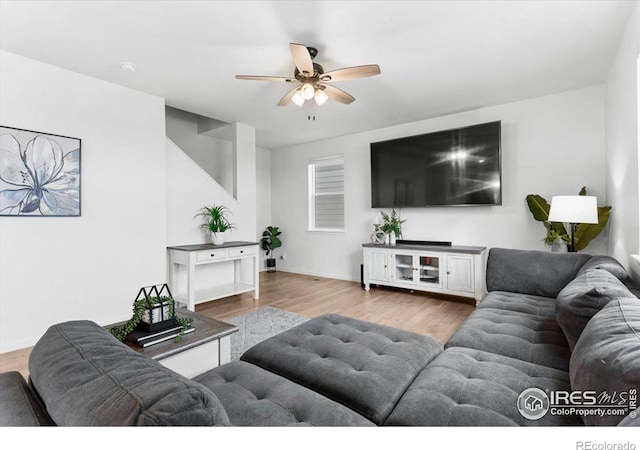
(216, 222)
(269, 242)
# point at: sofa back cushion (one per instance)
(607, 263)
(583, 297)
(607, 355)
(531, 271)
(86, 377)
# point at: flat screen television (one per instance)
(459, 167)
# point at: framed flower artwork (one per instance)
(39, 174)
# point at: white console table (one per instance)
(454, 270)
(193, 256)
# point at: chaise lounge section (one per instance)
(556, 322)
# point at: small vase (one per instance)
(559, 245)
(392, 238)
(217, 238)
(387, 239)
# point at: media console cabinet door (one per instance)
(460, 273)
(377, 267)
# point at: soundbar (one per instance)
(408, 242)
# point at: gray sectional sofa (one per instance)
(551, 321)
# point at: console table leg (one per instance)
(256, 277)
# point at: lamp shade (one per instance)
(574, 209)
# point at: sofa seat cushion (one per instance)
(467, 387)
(255, 397)
(532, 272)
(86, 377)
(362, 365)
(18, 404)
(583, 297)
(527, 337)
(606, 358)
(511, 301)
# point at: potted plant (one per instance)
(557, 235)
(216, 222)
(269, 242)
(392, 226)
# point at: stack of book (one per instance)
(147, 338)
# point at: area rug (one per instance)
(258, 325)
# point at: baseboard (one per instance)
(317, 274)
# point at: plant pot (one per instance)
(559, 245)
(271, 264)
(217, 238)
(387, 239)
(392, 238)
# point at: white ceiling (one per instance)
(436, 57)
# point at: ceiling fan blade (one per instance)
(287, 98)
(259, 78)
(302, 59)
(349, 73)
(337, 94)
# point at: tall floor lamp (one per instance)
(573, 209)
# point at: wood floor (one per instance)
(438, 316)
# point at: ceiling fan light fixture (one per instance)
(307, 90)
(297, 98)
(320, 97)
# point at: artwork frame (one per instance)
(40, 174)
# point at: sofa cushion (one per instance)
(528, 337)
(86, 377)
(607, 355)
(531, 271)
(364, 366)
(607, 263)
(511, 301)
(583, 297)
(252, 396)
(18, 404)
(467, 387)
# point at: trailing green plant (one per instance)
(270, 239)
(215, 218)
(392, 222)
(139, 308)
(585, 232)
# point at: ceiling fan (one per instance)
(313, 81)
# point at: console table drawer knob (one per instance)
(212, 255)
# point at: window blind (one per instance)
(327, 194)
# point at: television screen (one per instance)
(445, 168)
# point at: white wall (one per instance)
(88, 267)
(622, 144)
(214, 155)
(550, 146)
(263, 194)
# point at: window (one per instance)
(326, 194)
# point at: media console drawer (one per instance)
(210, 255)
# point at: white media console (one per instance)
(453, 270)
